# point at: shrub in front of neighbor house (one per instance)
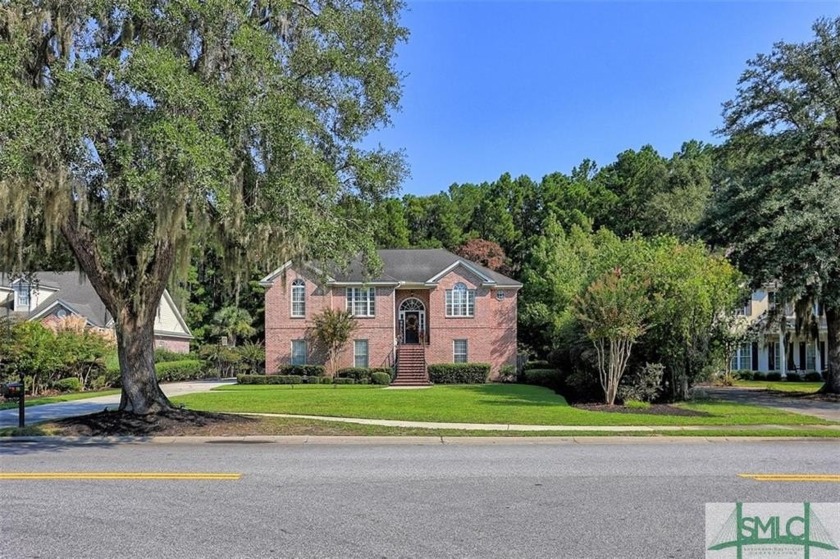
(322, 380)
(190, 369)
(163, 355)
(71, 384)
(643, 385)
(758, 375)
(302, 370)
(380, 378)
(507, 373)
(550, 378)
(344, 381)
(774, 376)
(813, 376)
(459, 373)
(793, 377)
(743, 375)
(251, 379)
(284, 379)
(537, 364)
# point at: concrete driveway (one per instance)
(49, 412)
(761, 397)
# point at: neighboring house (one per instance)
(801, 353)
(426, 306)
(60, 294)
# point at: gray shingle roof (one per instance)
(415, 265)
(74, 291)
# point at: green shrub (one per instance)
(758, 375)
(380, 378)
(172, 371)
(344, 381)
(71, 384)
(302, 370)
(774, 376)
(359, 373)
(643, 385)
(549, 378)
(284, 379)
(793, 377)
(581, 385)
(743, 375)
(323, 380)
(251, 379)
(537, 364)
(636, 405)
(163, 355)
(813, 376)
(507, 373)
(459, 373)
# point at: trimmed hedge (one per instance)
(69, 384)
(813, 376)
(165, 356)
(537, 364)
(359, 373)
(459, 373)
(774, 376)
(793, 377)
(344, 381)
(170, 371)
(380, 378)
(549, 378)
(276, 379)
(302, 370)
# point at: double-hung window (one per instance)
(361, 301)
(22, 298)
(459, 351)
(360, 353)
(298, 352)
(460, 301)
(298, 298)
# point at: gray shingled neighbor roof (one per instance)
(415, 265)
(74, 291)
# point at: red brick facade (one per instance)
(171, 343)
(490, 333)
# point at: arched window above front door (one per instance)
(412, 305)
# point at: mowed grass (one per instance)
(804, 387)
(489, 403)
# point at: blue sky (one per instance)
(536, 87)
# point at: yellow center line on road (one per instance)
(830, 478)
(118, 475)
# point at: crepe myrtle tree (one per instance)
(131, 128)
(778, 210)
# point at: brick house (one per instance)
(59, 294)
(427, 306)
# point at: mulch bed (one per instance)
(169, 423)
(654, 409)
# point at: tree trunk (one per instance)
(832, 351)
(136, 350)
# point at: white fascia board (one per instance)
(168, 334)
(268, 280)
(168, 298)
(486, 280)
(54, 304)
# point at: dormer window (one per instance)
(23, 298)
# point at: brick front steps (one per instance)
(411, 366)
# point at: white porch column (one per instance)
(782, 354)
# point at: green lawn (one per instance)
(37, 401)
(488, 403)
(781, 386)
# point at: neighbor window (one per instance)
(298, 352)
(742, 360)
(298, 298)
(360, 352)
(460, 301)
(459, 351)
(361, 301)
(22, 299)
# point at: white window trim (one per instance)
(17, 291)
(356, 355)
(466, 353)
(369, 301)
(468, 304)
(296, 284)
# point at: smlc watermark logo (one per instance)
(773, 530)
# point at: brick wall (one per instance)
(178, 345)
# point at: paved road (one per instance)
(47, 412)
(600, 500)
(760, 397)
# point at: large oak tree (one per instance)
(131, 128)
(779, 208)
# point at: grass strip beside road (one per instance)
(781, 386)
(486, 403)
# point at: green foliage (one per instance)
(332, 329)
(252, 355)
(302, 370)
(459, 373)
(793, 377)
(549, 378)
(758, 375)
(344, 381)
(226, 361)
(743, 375)
(232, 323)
(380, 378)
(773, 376)
(360, 373)
(187, 369)
(251, 379)
(813, 376)
(164, 355)
(636, 405)
(644, 385)
(70, 384)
